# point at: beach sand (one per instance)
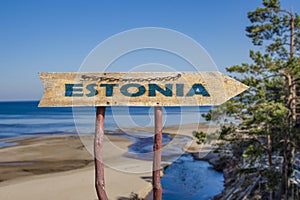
(61, 168)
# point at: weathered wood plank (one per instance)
(138, 89)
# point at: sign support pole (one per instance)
(157, 147)
(98, 149)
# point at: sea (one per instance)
(25, 118)
(186, 178)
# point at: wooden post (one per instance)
(98, 146)
(157, 147)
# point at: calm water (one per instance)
(25, 118)
(184, 179)
(142, 146)
(191, 179)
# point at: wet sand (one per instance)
(61, 168)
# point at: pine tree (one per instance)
(268, 110)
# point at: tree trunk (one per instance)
(269, 151)
(292, 117)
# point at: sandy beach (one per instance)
(61, 168)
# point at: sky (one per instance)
(57, 35)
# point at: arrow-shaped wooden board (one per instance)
(138, 89)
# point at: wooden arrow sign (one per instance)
(138, 89)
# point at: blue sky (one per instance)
(57, 35)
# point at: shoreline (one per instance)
(81, 166)
(61, 165)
